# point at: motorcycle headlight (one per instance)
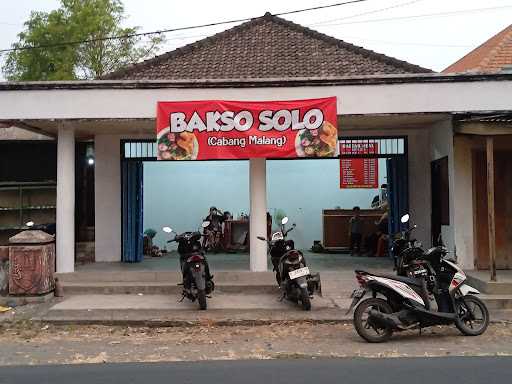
(288, 247)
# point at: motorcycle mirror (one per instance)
(284, 220)
(29, 224)
(167, 229)
(294, 225)
(205, 224)
(405, 218)
(261, 238)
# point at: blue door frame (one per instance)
(132, 211)
(398, 192)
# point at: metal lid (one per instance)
(31, 237)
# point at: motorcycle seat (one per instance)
(402, 279)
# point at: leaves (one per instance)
(75, 21)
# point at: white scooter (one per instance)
(401, 303)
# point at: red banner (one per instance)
(359, 172)
(215, 129)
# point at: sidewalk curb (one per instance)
(188, 323)
(225, 322)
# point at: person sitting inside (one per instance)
(355, 232)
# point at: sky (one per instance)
(430, 33)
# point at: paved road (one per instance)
(447, 370)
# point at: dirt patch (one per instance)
(30, 343)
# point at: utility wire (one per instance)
(128, 36)
(426, 15)
(408, 43)
(366, 13)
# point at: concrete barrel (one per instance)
(31, 263)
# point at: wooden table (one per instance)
(336, 224)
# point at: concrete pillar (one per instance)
(65, 246)
(258, 217)
(107, 192)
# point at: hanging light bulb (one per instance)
(89, 154)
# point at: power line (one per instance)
(408, 43)
(426, 15)
(366, 13)
(129, 36)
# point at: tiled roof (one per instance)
(262, 48)
(490, 57)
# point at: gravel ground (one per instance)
(30, 343)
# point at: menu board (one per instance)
(359, 172)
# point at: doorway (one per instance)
(440, 195)
(503, 209)
(313, 177)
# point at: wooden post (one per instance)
(490, 206)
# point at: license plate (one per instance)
(356, 296)
(298, 273)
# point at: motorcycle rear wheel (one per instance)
(364, 329)
(472, 316)
(201, 298)
(305, 300)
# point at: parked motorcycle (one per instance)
(197, 281)
(405, 301)
(292, 274)
(213, 236)
(405, 249)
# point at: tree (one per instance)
(75, 21)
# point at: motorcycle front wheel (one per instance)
(472, 316)
(305, 300)
(201, 298)
(370, 332)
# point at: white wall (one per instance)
(441, 144)
(352, 99)
(463, 201)
(302, 189)
(179, 194)
(15, 133)
(107, 195)
(419, 184)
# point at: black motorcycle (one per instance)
(292, 274)
(213, 236)
(405, 249)
(405, 302)
(197, 281)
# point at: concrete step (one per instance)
(497, 302)
(166, 282)
(153, 288)
(225, 309)
(490, 287)
(228, 308)
(173, 277)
